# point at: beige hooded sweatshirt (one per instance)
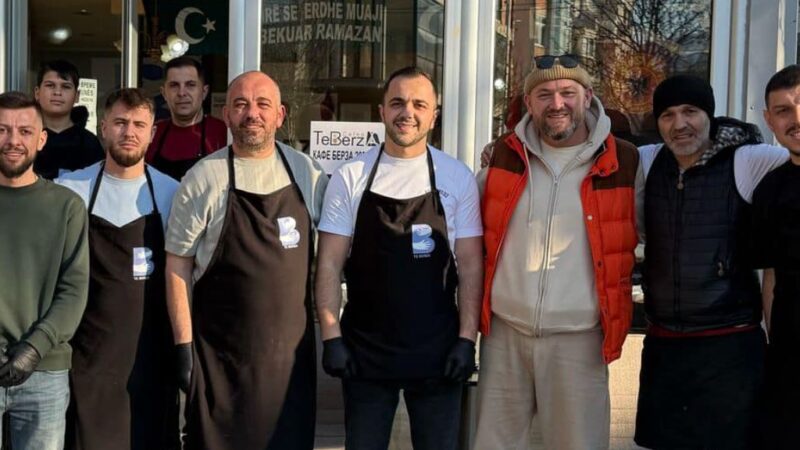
(544, 281)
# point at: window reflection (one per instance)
(628, 46)
(331, 57)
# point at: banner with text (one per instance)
(333, 143)
(305, 22)
(87, 96)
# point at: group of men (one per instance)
(206, 286)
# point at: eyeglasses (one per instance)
(547, 61)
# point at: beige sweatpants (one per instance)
(559, 379)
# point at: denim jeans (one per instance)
(434, 412)
(37, 410)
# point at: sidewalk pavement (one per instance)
(624, 388)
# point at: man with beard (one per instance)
(70, 146)
(240, 247)
(776, 213)
(124, 395)
(402, 222)
(44, 277)
(189, 134)
(703, 356)
(560, 232)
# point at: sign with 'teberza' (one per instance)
(333, 143)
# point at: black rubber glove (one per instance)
(183, 364)
(22, 361)
(460, 362)
(336, 359)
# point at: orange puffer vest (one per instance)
(609, 213)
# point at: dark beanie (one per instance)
(683, 90)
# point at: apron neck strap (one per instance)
(201, 151)
(431, 176)
(100, 175)
(232, 173)
(163, 138)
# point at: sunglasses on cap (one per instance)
(547, 61)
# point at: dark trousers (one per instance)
(701, 392)
(781, 418)
(434, 410)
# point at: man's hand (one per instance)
(460, 362)
(22, 361)
(183, 365)
(336, 359)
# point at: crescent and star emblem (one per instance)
(180, 25)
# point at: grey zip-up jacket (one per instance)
(545, 281)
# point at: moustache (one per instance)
(558, 111)
(249, 122)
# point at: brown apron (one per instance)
(124, 393)
(253, 385)
(401, 319)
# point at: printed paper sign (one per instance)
(87, 88)
(333, 143)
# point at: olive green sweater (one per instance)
(44, 269)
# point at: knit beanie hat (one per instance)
(557, 72)
(683, 90)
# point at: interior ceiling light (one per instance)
(174, 48)
(59, 35)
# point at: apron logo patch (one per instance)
(421, 243)
(289, 236)
(143, 265)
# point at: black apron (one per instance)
(177, 169)
(254, 381)
(124, 391)
(400, 320)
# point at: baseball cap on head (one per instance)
(550, 67)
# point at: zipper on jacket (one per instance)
(676, 283)
(537, 325)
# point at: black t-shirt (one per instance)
(776, 243)
(72, 149)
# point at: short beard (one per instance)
(560, 135)
(250, 143)
(18, 171)
(576, 119)
(126, 159)
(399, 140)
(693, 147)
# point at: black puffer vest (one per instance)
(697, 272)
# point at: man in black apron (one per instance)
(187, 135)
(776, 206)
(402, 222)
(239, 249)
(124, 391)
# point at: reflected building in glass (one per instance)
(330, 58)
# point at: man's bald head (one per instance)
(253, 112)
(249, 77)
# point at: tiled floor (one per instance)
(624, 389)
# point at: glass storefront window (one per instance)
(200, 29)
(629, 46)
(331, 57)
(86, 33)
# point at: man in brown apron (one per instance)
(402, 222)
(239, 250)
(124, 390)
